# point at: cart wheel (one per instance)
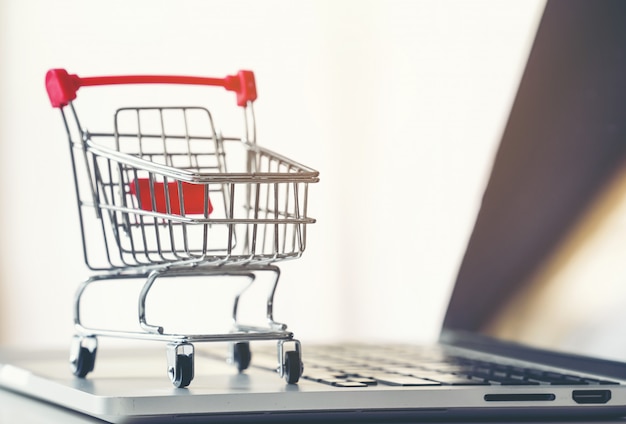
(84, 362)
(293, 367)
(242, 355)
(181, 373)
(83, 356)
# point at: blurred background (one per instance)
(398, 104)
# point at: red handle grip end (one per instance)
(244, 85)
(61, 87)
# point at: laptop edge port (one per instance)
(591, 396)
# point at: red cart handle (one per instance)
(62, 86)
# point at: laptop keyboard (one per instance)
(358, 366)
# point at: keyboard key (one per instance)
(347, 383)
(321, 376)
(595, 381)
(339, 382)
(364, 380)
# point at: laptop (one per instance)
(564, 143)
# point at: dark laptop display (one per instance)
(565, 140)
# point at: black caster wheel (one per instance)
(182, 372)
(242, 355)
(83, 355)
(293, 367)
(180, 358)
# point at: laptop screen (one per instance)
(557, 179)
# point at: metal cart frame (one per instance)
(169, 205)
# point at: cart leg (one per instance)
(142, 304)
(270, 301)
(290, 365)
(83, 355)
(252, 277)
(180, 367)
(78, 297)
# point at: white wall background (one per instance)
(398, 104)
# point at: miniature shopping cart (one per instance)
(173, 197)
